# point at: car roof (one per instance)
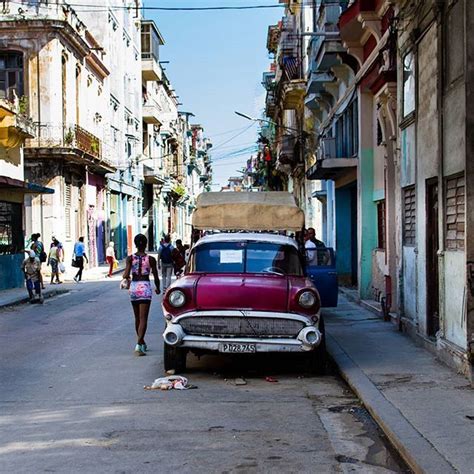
(246, 237)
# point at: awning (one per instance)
(23, 186)
(252, 211)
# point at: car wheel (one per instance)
(174, 358)
(318, 359)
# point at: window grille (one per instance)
(409, 215)
(455, 216)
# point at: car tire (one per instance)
(174, 358)
(318, 359)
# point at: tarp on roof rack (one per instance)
(251, 211)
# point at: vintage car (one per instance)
(245, 292)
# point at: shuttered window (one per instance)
(381, 236)
(455, 216)
(409, 215)
(67, 208)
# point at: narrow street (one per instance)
(72, 400)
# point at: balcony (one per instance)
(151, 113)
(151, 70)
(329, 165)
(292, 93)
(270, 104)
(318, 80)
(289, 153)
(73, 143)
(153, 176)
(14, 128)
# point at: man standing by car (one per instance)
(165, 261)
(312, 238)
(80, 255)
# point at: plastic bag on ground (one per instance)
(176, 382)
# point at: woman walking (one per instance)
(137, 278)
(110, 257)
(54, 258)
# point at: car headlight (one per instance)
(177, 298)
(307, 299)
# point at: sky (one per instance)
(217, 59)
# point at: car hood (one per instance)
(242, 291)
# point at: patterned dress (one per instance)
(140, 286)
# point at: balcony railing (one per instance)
(49, 135)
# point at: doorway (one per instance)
(432, 246)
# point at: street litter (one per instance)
(271, 379)
(176, 382)
(240, 381)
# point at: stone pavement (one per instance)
(425, 409)
(16, 296)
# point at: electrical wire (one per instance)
(233, 138)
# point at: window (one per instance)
(11, 75)
(409, 215)
(381, 234)
(455, 217)
(150, 42)
(246, 257)
(11, 231)
(454, 43)
(408, 84)
(67, 208)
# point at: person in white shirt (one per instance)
(110, 257)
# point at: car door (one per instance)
(321, 269)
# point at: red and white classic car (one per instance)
(244, 292)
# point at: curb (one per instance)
(25, 299)
(413, 447)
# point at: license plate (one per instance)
(237, 348)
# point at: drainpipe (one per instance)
(38, 99)
(441, 210)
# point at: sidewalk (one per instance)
(425, 409)
(17, 296)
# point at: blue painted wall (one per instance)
(11, 275)
(344, 231)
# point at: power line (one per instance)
(101, 7)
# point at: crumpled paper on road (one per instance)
(172, 382)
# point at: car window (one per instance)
(246, 257)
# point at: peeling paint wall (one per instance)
(426, 153)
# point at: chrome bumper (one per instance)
(307, 339)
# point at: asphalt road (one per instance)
(72, 400)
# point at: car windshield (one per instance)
(245, 257)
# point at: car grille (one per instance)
(230, 326)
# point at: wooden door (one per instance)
(432, 245)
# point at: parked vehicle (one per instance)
(245, 292)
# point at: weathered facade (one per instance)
(15, 127)
(108, 137)
(386, 146)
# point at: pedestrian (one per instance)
(80, 256)
(54, 258)
(165, 262)
(312, 238)
(110, 258)
(179, 258)
(38, 247)
(31, 267)
(137, 278)
(311, 250)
